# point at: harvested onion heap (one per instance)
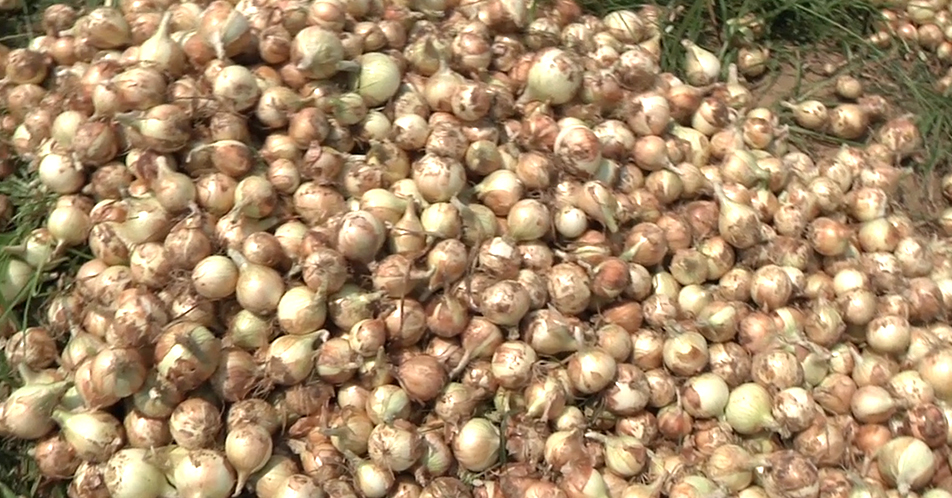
(343, 249)
(924, 26)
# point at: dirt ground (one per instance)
(920, 192)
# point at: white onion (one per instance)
(129, 474)
(204, 474)
(555, 77)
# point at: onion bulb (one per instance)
(476, 445)
(748, 409)
(701, 66)
(27, 411)
(203, 474)
(248, 449)
(378, 78)
(161, 50)
(906, 462)
(129, 474)
(555, 77)
(318, 52)
(95, 435)
(737, 223)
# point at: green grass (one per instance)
(19, 475)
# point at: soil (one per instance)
(920, 193)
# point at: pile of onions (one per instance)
(923, 27)
(452, 249)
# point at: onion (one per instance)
(737, 223)
(625, 456)
(95, 436)
(569, 288)
(936, 369)
(504, 303)
(512, 364)
(215, 277)
(274, 473)
(810, 114)
(900, 135)
(578, 149)
(583, 480)
(130, 474)
(555, 77)
(907, 463)
(372, 480)
(789, 474)
(195, 423)
(705, 396)
(27, 412)
(163, 128)
(748, 409)
(438, 178)
(203, 473)
(187, 354)
(237, 375)
(115, 373)
(297, 485)
(590, 370)
(33, 347)
(318, 52)
(259, 288)
(289, 357)
(301, 311)
(144, 432)
(730, 466)
(599, 204)
(361, 236)
(702, 67)
(395, 447)
(422, 377)
(476, 445)
(248, 449)
(378, 79)
(235, 86)
(685, 353)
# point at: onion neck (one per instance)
(29, 376)
(632, 251)
(61, 416)
(732, 76)
(323, 335)
(48, 392)
(348, 66)
(72, 400)
(130, 119)
(602, 438)
(608, 215)
(164, 24)
(363, 298)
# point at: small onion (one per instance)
(203, 473)
(907, 463)
(248, 449)
(476, 445)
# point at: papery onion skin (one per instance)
(419, 242)
(476, 444)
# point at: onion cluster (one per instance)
(460, 249)
(925, 26)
